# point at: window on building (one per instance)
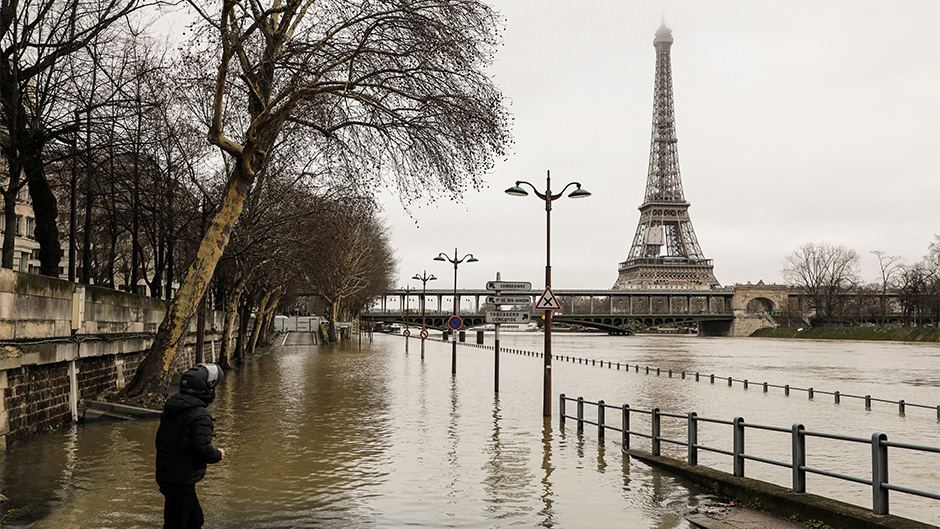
(18, 229)
(30, 227)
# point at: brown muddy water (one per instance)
(341, 437)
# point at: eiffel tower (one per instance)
(664, 215)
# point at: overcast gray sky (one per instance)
(797, 121)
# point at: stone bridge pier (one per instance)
(754, 306)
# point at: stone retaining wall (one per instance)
(46, 368)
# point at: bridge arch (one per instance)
(760, 304)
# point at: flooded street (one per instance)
(343, 437)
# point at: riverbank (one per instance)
(891, 334)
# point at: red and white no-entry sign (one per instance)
(424, 334)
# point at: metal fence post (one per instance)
(799, 458)
(654, 419)
(838, 397)
(879, 473)
(901, 406)
(693, 438)
(712, 378)
(745, 383)
(738, 449)
(561, 409)
(696, 379)
(810, 390)
(765, 387)
(625, 426)
(786, 390)
(867, 402)
(600, 420)
(729, 382)
(580, 414)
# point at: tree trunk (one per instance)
(228, 326)
(201, 331)
(46, 211)
(152, 377)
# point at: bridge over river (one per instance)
(729, 311)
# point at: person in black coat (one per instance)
(184, 446)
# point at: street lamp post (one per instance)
(548, 197)
(407, 290)
(470, 259)
(424, 278)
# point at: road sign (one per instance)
(424, 334)
(508, 285)
(548, 301)
(508, 300)
(455, 323)
(406, 333)
(508, 316)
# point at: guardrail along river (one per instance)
(343, 437)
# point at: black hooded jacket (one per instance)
(184, 441)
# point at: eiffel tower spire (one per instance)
(664, 216)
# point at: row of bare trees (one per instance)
(828, 274)
(308, 107)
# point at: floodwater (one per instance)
(374, 437)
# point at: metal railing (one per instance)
(879, 443)
(811, 393)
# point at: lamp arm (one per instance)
(534, 189)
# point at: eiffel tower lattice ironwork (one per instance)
(664, 215)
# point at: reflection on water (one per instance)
(342, 437)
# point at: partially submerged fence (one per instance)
(878, 480)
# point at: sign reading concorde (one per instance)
(508, 300)
(508, 316)
(508, 285)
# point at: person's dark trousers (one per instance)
(181, 510)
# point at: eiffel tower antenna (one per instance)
(665, 252)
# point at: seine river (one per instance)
(374, 437)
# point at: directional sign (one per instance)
(508, 285)
(455, 323)
(508, 316)
(508, 300)
(548, 301)
(424, 334)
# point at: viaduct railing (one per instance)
(878, 479)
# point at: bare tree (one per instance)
(822, 270)
(891, 266)
(395, 89)
(36, 38)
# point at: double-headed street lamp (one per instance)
(424, 278)
(470, 259)
(548, 197)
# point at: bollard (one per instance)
(654, 420)
(799, 458)
(837, 397)
(810, 391)
(738, 450)
(625, 427)
(580, 414)
(786, 390)
(693, 439)
(867, 402)
(765, 387)
(901, 407)
(561, 409)
(879, 473)
(600, 420)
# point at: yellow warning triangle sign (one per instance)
(548, 301)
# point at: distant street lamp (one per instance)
(470, 259)
(424, 278)
(548, 197)
(407, 290)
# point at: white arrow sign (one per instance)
(548, 301)
(508, 316)
(508, 285)
(508, 300)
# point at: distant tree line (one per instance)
(902, 294)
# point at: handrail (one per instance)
(879, 444)
(745, 383)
